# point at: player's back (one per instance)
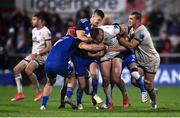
(63, 48)
(110, 32)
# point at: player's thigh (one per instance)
(116, 67)
(105, 72)
(31, 67)
(20, 66)
(105, 69)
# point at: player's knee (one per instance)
(16, 70)
(148, 85)
(94, 75)
(135, 74)
(106, 83)
(52, 81)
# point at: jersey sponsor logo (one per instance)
(141, 36)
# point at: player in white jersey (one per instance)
(111, 63)
(41, 37)
(148, 59)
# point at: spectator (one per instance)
(156, 19)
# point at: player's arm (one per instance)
(80, 30)
(118, 49)
(128, 44)
(81, 35)
(47, 48)
(92, 47)
(134, 42)
(97, 54)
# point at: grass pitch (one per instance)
(168, 105)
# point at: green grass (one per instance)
(168, 105)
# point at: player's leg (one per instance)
(139, 81)
(63, 93)
(48, 89)
(94, 74)
(71, 82)
(29, 71)
(79, 93)
(116, 75)
(18, 78)
(149, 78)
(105, 72)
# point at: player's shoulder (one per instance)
(83, 20)
(34, 29)
(45, 29)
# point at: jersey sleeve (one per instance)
(139, 35)
(82, 24)
(110, 31)
(47, 34)
(116, 29)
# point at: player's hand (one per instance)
(101, 53)
(33, 56)
(102, 46)
(124, 30)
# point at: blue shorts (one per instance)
(127, 60)
(81, 65)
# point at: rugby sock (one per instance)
(141, 84)
(79, 95)
(35, 82)
(63, 93)
(107, 101)
(95, 86)
(18, 79)
(44, 100)
(152, 95)
(69, 92)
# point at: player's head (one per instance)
(37, 19)
(97, 35)
(97, 17)
(134, 19)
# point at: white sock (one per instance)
(35, 82)
(18, 79)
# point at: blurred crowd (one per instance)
(15, 30)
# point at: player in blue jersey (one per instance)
(57, 63)
(83, 29)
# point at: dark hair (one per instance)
(99, 13)
(137, 15)
(94, 33)
(40, 17)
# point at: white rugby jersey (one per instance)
(39, 37)
(110, 32)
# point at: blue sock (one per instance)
(69, 92)
(141, 84)
(95, 86)
(79, 95)
(44, 100)
(107, 101)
